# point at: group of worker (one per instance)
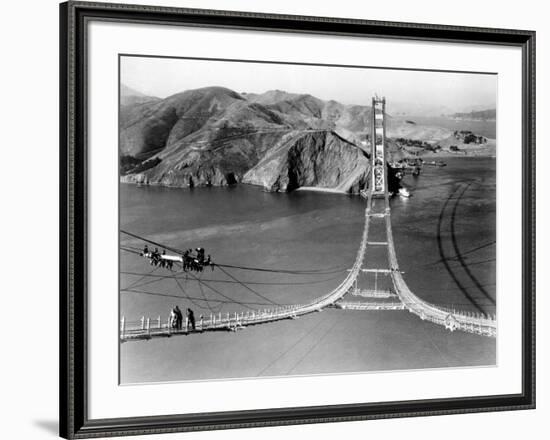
(190, 262)
(196, 263)
(156, 258)
(176, 319)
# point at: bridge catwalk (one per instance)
(146, 328)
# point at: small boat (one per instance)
(404, 192)
(439, 163)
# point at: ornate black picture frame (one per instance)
(74, 386)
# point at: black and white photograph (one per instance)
(286, 219)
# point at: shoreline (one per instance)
(324, 190)
(260, 187)
(425, 157)
(448, 154)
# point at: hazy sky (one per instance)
(163, 77)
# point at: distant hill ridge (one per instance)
(480, 115)
(129, 96)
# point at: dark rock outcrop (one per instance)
(319, 159)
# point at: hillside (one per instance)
(215, 136)
(351, 121)
(397, 128)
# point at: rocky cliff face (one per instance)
(313, 159)
(215, 136)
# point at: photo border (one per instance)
(74, 18)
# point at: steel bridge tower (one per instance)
(374, 282)
(379, 184)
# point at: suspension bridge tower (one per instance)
(379, 184)
(374, 281)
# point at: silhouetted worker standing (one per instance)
(190, 319)
(179, 318)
